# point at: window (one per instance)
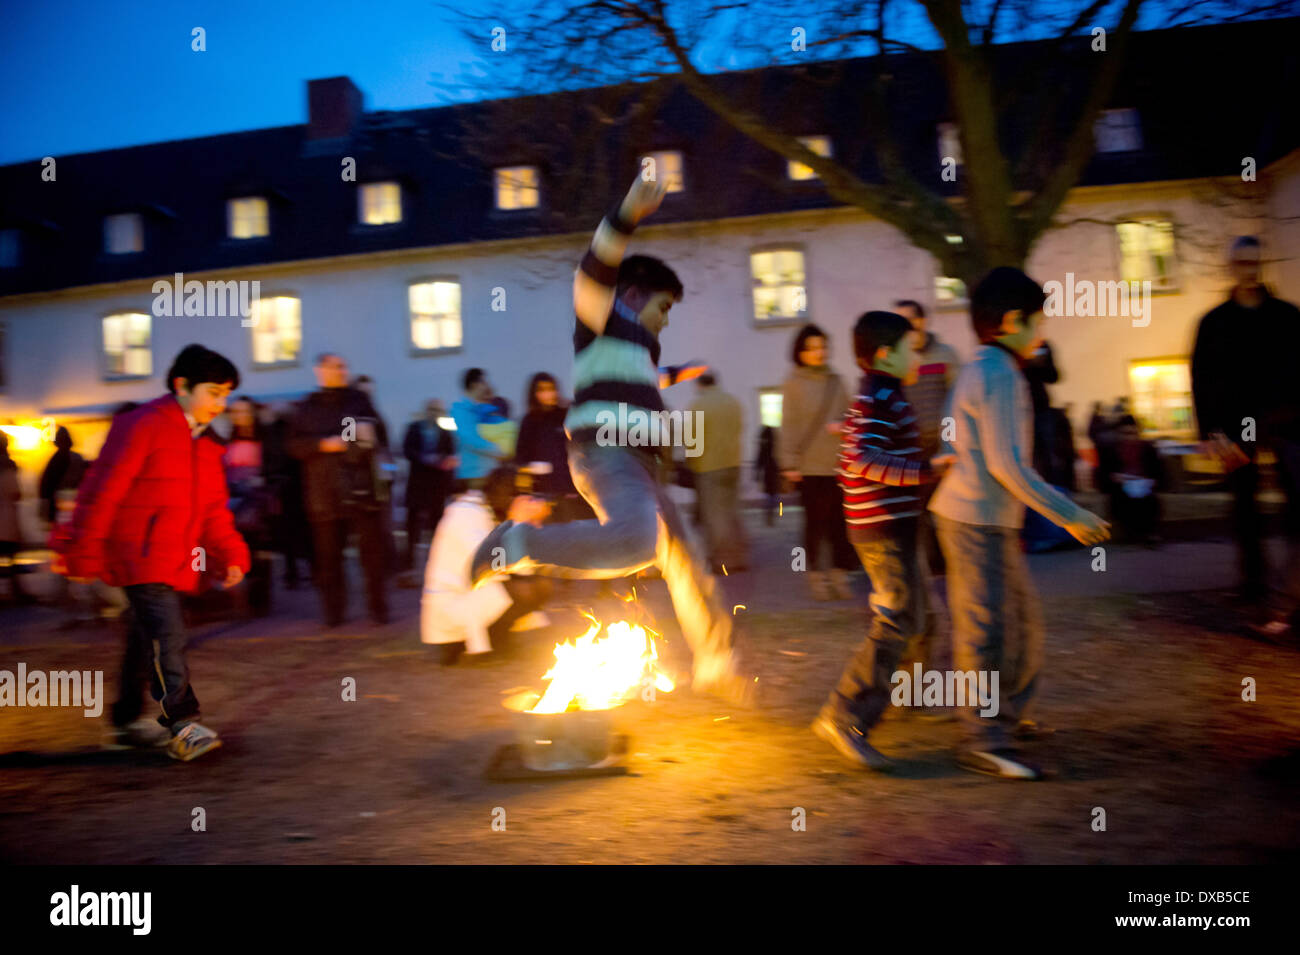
(949, 291)
(516, 187)
(949, 143)
(667, 166)
(277, 330)
(247, 218)
(380, 203)
(127, 351)
(1118, 131)
(779, 287)
(1146, 252)
(9, 243)
(123, 234)
(1162, 396)
(769, 407)
(821, 145)
(435, 315)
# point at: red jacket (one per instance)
(152, 497)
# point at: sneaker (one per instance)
(1032, 730)
(192, 741)
(819, 585)
(1003, 763)
(1276, 631)
(140, 734)
(850, 743)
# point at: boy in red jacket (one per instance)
(151, 514)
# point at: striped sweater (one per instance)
(881, 462)
(618, 366)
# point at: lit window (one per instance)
(949, 143)
(1146, 251)
(277, 329)
(769, 407)
(8, 248)
(247, 218)
(435, 315)
(381, 203)
(1118, 131)
(779, 285)
(123, 233)
(516, 187)
(1162, 396)
(666, 166)
(821, 145)
(127, 351)
(950, 291)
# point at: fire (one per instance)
(594, 673)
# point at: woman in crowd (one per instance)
(542, 441)
(813, 404)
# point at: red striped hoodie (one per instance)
(881, 463)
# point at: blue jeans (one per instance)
(155, 651)
(636, 526)
(997, 623)
(900, 587)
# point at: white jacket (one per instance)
(449, 610)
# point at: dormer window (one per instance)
(821, 145)
(666, 168)
(247, 218)
(123, 234)
(1118, 131)
(517, 187)
(380, 203)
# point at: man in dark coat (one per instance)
(333, 433)
(1244, 388)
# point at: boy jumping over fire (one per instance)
(621, 307)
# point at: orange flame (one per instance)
(594, 673)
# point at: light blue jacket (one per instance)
(990, 481)
(476, 453)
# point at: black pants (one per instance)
(529, 593)
(155, 652)
(1134, 517)
(424, 507)
(1248, 529)
(330, 538)
(823, 521)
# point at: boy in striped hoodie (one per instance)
(882, 471)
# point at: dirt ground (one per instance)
(1145, 690)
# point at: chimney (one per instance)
(334, 107)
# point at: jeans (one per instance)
(997, 623)
(636, 526)
(717, 493)
(900, 590)
(823, 521)
(155, 651)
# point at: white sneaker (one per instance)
(193, 740)
(531, 621)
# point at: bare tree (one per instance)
(1024, 82)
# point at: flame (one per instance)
(600, 673)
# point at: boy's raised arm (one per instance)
(595, 281)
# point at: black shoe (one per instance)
(487, 562)
(1004, 763)
(850, 743)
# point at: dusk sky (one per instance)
(84, 75)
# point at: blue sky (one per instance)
(83, 75)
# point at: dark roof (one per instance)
(1207, 96)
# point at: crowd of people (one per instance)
(930, 468)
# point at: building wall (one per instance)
(358, 307)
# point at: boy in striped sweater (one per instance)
(882, 471)
(621, 305)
